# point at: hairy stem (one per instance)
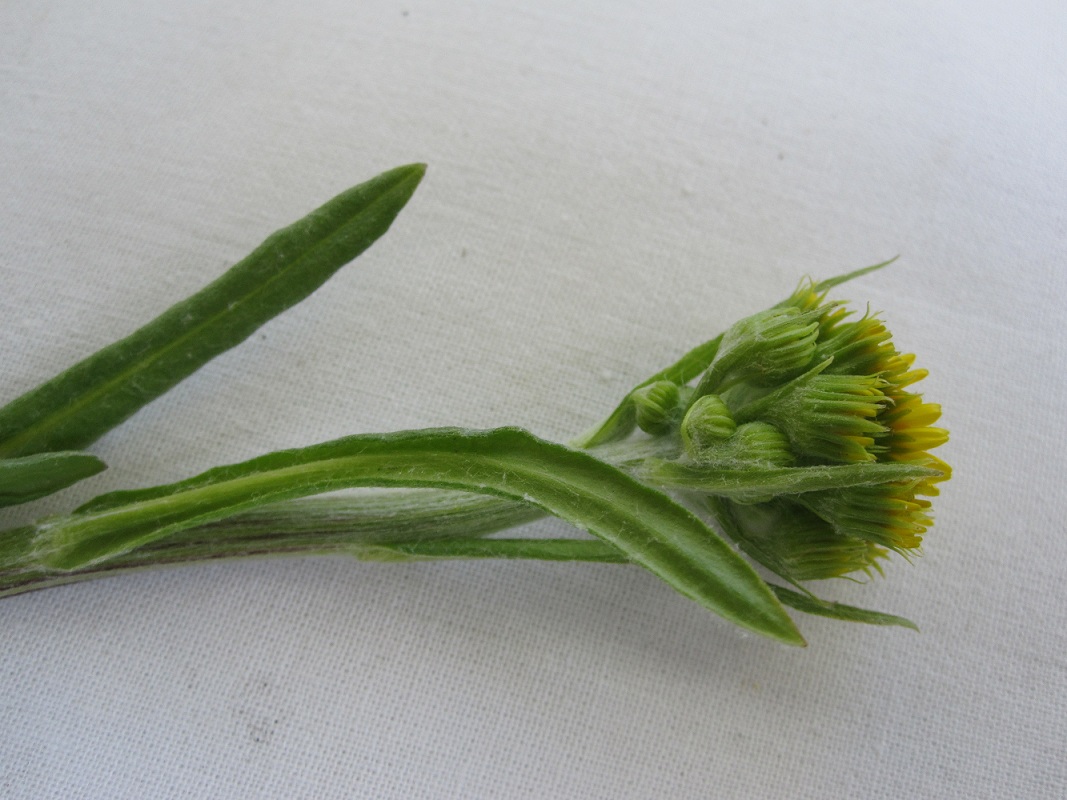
(315, 526)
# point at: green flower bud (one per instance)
(796, 544)
(707, 423)
(656, 406)
(761, 444)
(754, 444)
(765, 348)
(825, 417)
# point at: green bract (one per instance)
(796, 430)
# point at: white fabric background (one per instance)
(609, 184)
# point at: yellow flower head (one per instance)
(853, 403)
(888, 514)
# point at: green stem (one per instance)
(592, 550)
(299, 527)
(306, 526)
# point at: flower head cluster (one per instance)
(812, 384)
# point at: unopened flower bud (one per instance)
(707, 423)
(826, 417)
(754, 445)
(761, 444)
(765, 349)
(656, 406)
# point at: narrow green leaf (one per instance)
(823, 608)
(30, 477)
(597, 552)
(757, 483)
(830, 283)
(649, 527)
(81, 404)
(622, 420)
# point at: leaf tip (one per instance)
(791, 635)
(413, 172)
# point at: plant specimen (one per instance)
(797, 431)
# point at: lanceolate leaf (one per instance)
(824, 608)
(593, 551)
(837, 280)
(80, 405)
(757, 483)
(27, 478)
(650, 528)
